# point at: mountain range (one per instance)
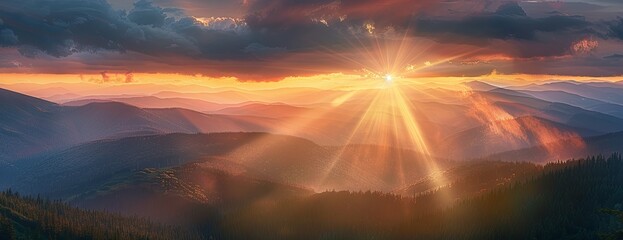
(117, 153)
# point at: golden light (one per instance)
(388, 120)
(516, 131)
(388, 79)
(374, 122)
(373, 106)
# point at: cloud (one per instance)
(7, 37)
(129, 77)
(273, 39)
(584, 46)
(144, 13)
(387, 13)
(216, 8)
(106, 77)
(511, 9)
(223, 24)
(616, 29)
(259, 49)
(615, 57)
(522, 36)
(508, 22)
(64, 27)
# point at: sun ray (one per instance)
(383, 130)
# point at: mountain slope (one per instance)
(155, 102)
(558, 112)
(283, 159)
(471, 179)
(30, 218)
(506, 135)
(562, 203)
(579, 101)
(261, 109)
(172, 195)
(19, 114)
(30, 125)
(604, 92)
(604, 144)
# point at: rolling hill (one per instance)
(603, 144)
(558, 112)
(278, 110)
(500, 136)
(607, 92)
(183, 190)
(567, 201)
(155, 102)
(37, 218)
(29, 125)
(579, 101)
(283, 159)
(471, 179)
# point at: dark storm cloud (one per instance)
(64, 27)
(291, 21)
(299, 25)
(7, 37)
(61, 28)
(616, 29)
(144, 13)
(496, 26)
(217, 8)
(387, 13)
(271, 34)
(528, 36)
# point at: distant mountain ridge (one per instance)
(29, 125)
(603, 144)
(607, 92)
(156, 102)
(60, 126)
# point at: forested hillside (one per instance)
(34, 218)
(566, 201)
(579, 199)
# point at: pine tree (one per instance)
(7, 231)
(617, 234)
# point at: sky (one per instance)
(120, 41)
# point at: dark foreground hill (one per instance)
(568, 200)
(34, 218)
(565, 202)
(188, 195)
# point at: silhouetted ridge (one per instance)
(11, 101)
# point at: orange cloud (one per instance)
(584, 46)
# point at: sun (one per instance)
(389, 117)
(388, 78)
